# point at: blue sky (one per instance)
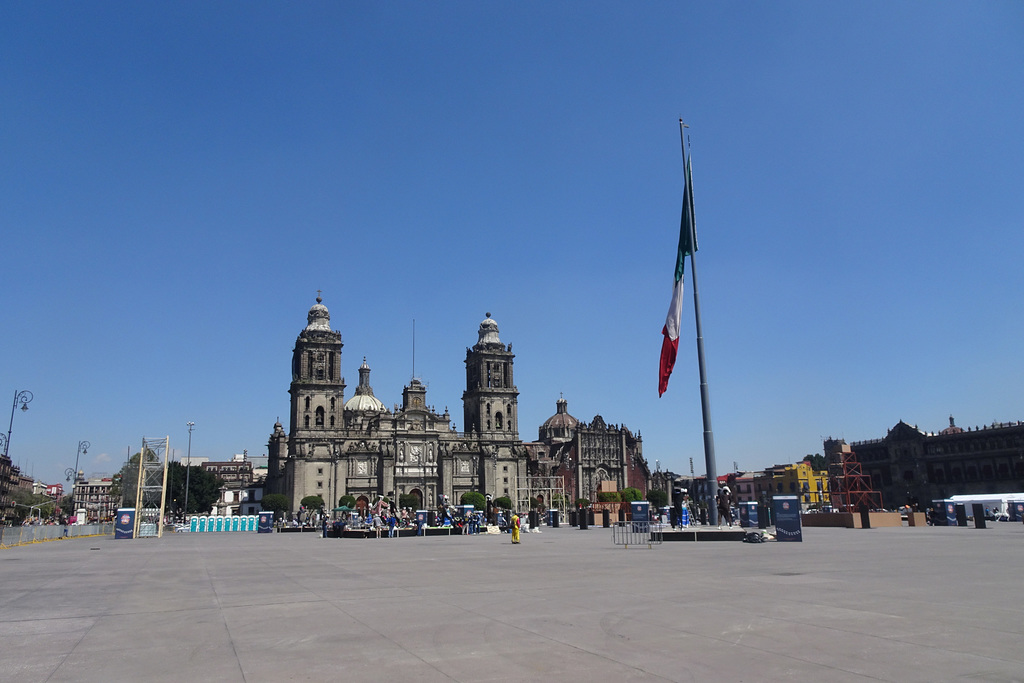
(177, 180)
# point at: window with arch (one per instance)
(319, 416)
(307, 422)
(307, 403)
(498, 424)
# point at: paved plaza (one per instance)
(898, 604)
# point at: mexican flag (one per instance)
(687, 245)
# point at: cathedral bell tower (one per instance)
(317, 389)
(490, 402)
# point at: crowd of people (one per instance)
(385, 518)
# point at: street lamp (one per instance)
(83, 447)
(22, 397)
(72, 474)
(188, 466)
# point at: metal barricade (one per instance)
(35, 533)
(635, 534)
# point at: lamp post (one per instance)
(188, 466)
(22, 397)
(72, 474)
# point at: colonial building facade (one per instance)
(911, 466)
(358, 447)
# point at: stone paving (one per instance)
(898, 604)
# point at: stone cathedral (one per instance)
(359, 447)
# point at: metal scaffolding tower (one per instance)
(849, 486)
(150, 495)
(551, 490)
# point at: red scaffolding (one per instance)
(850, 487)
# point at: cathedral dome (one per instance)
(364, 400)
(952, 428)
(319, 318)
(561, 425)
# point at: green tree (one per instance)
(203, 489)
(630, 494)
(504, 502)
(608, 497)
(276, 502)
(125, 484)
(67, 505)
(347, 501)
(582, 502)
(657, 498)
(474, 498)
(28, 504)
(817, 461)
(405, 500)
(312, 502)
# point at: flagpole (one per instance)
(705, 396)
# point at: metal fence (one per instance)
(634, 534)
(23, 535)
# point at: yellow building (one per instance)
(801, 480)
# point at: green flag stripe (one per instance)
(687, 226)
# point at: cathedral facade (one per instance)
(358, 447)
(588, 457)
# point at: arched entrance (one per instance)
(419, 498)
(362, 503)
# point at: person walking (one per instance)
(515, 527)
